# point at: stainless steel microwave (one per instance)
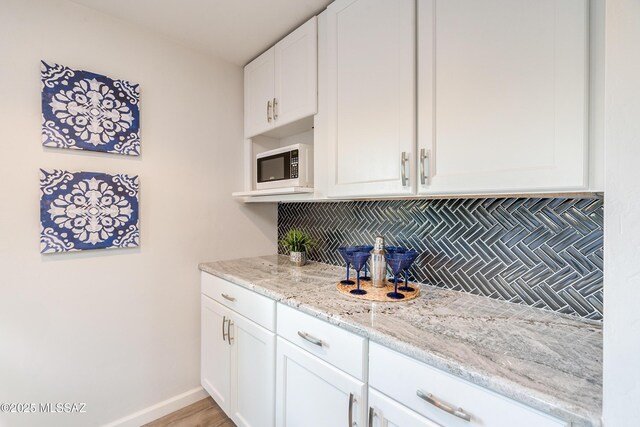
(290, 166)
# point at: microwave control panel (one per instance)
(294, 164)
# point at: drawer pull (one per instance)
(224, 334)
(424, 175)
(404, 159)
(228, 297)
(429, 398)
(229, 338)
(312, 340)
(372, 413)
(350, 418)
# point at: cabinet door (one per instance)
(259, 94)
(215, 352)
(252, 373)
(312, 393)
(502, 101)
(386, 412)
(371, 97)
(296, 74)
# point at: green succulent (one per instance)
(297, 241)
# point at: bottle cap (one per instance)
(379, 245)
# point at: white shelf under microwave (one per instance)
(273, 192)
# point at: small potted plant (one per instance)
(298, 243)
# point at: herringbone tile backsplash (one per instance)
(546, 253)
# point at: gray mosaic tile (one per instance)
(542, 252)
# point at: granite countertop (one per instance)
(549, 361)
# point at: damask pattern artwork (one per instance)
(87, 210)
(88, 111)
(542, 252)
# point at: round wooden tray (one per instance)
(378, 294)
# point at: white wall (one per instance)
(622, 215)
(118, 329)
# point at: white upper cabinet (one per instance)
(502, 95)
(440, 97)
(370, 97)
(259, 94)
(296, 77)
(280, 86)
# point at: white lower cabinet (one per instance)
(215, 357)
(312, 393)
(252, 373)
(238, 365)
(316, 374)
(336, 346)
(447, 400)
(386, 412)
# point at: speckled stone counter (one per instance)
(545, 360)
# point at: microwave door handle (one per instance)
(287, 164)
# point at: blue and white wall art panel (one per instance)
(89, 111)
(87, 210)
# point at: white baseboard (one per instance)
(160, 409)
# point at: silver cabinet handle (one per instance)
(424, 175)
(311, 339)
(275, 109)
(229, 338)
(404, 160)
(228, 297)
(372, 413)
(429, 398)
(269, 111)
(351, 399)
(224, 335)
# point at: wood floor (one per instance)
(205, 413)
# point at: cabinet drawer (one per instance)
(338, 347)
(247, 303)
(385, 412)
(403, 379)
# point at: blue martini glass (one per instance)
(390, 250)
(397, 263)
(365, 248)
(346, 255)
(359, 260)
(411, 256)
(394, 249)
